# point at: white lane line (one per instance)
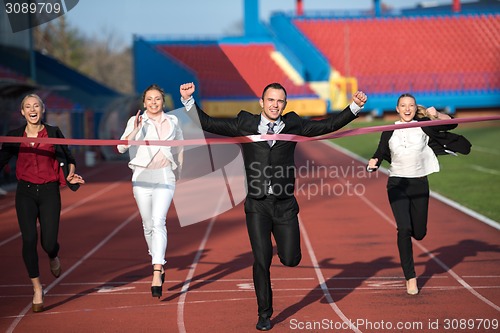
(482, 276)
(185, 288)
(321, 279)
(72, 268)
(435, 195)
(485, 150)
(73, 206)
(432, 256)
(142, 306)
(12, 187)
(484, 170)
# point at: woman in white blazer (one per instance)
(153, 179)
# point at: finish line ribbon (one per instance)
(244, 139)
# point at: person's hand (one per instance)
(372, 165)
(138, 119)
(187, 90)
(74, 178)
(432, 113)
(359, 98)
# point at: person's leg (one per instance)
(50, 212)
(419, 194)
(286, 231)
(162, 195)
(37, 304)
(142, 189)
(162, 198)
(27, 214)
(400, 204)
(418, 191)
(259, 226)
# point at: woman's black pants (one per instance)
(42, 202)
(409, 199)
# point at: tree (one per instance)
(102, 59)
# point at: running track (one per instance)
(349, 271)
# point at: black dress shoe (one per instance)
(264, 324)
(55, 267)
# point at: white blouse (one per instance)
(411, 157)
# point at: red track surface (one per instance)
(350, 268)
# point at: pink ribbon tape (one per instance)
(244, 139)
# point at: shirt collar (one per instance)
(264, 121)
(162, 119)
(404, 122)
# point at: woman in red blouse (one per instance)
(40, 170)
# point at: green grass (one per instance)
(472, 180)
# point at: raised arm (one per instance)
(335, 121)
(226, 127)
(133, 127)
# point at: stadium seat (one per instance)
(446, 52)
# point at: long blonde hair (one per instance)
(422, 113)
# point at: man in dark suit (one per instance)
(270, 206)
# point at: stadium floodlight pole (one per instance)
(377, 8)
(299, 8)
(31, 48)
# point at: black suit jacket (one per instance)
(440, 140)
(63, 154)
(276, 164)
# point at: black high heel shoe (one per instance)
(156, 291)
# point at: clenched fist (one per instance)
(359, 98)
(187, 90)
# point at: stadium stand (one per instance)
(446, 56)
(52, 100)
(55, 102)
(9, 74)
(217, 75)
(445, 53)
(234, 70)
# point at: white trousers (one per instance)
(153, 192)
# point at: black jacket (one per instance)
(440, 140)
(276, 164)
(63, 154)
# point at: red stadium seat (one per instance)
(233, 70)
(455, 50)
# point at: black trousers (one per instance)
(42, 202)
(409, 199)
(277, 217)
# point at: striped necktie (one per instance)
(270, 130)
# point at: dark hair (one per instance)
(274, 85)
(406, 95)
(153, 87)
